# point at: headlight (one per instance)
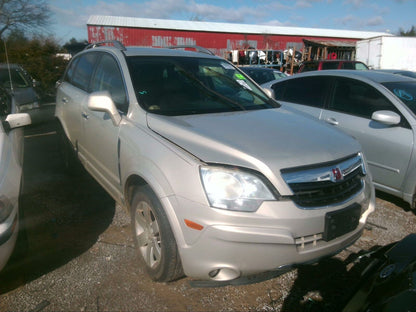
(234, 189)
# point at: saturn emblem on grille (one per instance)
(336, 175)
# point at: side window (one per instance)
(307, 91)
(83, 71)
(348, 65)
(309, 66)
(70, 71)
(330, 65)
(358, 98)
(107, 77)
(360, 66)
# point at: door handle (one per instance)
(332, 121)
(85, 115)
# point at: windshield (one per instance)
(185, 85)
(18, 78)
(405, 91)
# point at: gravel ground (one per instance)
(78, 254)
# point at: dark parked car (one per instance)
(19, 83)
(331, 64)
(262, 74)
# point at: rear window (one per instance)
(260, 76)
(405, 91)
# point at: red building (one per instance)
(217, 37)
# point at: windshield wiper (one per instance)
(229, 102)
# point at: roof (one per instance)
(373, 75)
(144, 51)
(135, 22)
(139, 51)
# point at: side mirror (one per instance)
(35, 83)
(58, 83)
(386, 117)
(101, 102)
(16, 120)
(268, 92)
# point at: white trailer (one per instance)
(388, 52)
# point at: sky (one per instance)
(69, 18)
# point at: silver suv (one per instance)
(220, 181)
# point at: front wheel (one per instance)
(153, 236)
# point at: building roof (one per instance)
(120, 21)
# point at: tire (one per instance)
(153, 237)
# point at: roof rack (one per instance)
(117, 44)
(197, 48)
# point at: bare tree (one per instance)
(25, 15)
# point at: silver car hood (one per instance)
(264, 140)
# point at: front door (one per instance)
(387, 148)
(102, 152)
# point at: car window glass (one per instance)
(360, 66)
(17, 77)
(261, 76)
(309, 66)
(405, 91)
(358, 98)
(347, 65)
(184, 85)
(83, 71)
(70, 71)
(330, 65)
(307, 91)
(107, 77)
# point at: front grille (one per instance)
(327, 185)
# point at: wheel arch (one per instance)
(135, 180)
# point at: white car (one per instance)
(11, 159)
(221, 182)
(376, 108)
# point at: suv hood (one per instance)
(266, 140)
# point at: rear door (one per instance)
(73, 94)
(387, 148)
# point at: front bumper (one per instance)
(278, 235)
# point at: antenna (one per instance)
(8, 66)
